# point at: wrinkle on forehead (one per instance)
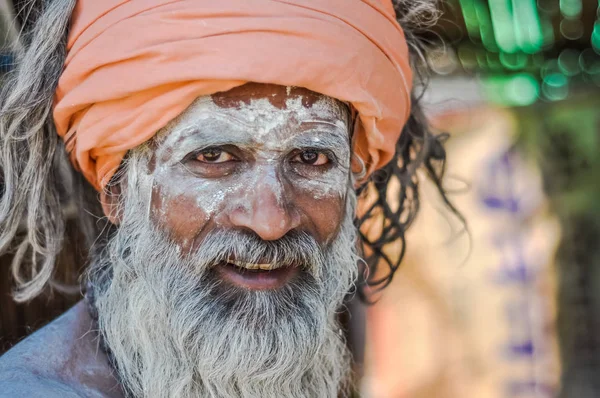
(324, 110)
(275, 94)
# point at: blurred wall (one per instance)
(473, 314)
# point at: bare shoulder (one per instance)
(60, 360)
(22, 383)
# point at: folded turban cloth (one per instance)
(132, 66)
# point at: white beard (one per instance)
(174, 330)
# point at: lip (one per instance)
(257, 279)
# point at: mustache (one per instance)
(296, 248)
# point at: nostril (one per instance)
(268, 222)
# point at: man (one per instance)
(227, 142)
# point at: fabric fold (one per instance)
(133, 66)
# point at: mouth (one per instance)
(256, 276)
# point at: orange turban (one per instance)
(132, 66)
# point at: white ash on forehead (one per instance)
(261, 109)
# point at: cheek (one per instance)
(177, 215)
(324, 213)
(322, 201)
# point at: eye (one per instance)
(311, 157)
(214, 155)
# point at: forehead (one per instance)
(277, 96)
(271, 108)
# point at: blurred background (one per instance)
(511, 306)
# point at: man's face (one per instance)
(235, 249)
(263, 159)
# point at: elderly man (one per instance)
(227, 141)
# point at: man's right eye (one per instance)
(312, 158)
(214, 155)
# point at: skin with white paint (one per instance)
(255, 147)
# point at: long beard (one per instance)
(175, 330)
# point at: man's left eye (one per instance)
(311, 157)
(214, 155)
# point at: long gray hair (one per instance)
(30, 153)
(32, 218)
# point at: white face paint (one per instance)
(255, 147)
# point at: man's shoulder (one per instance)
(26, 370)
(19, 382)
(60, 360)
(40, 352)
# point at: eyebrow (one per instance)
(198, 136)
(332, 139)
(207, 137)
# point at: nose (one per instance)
(266, 210)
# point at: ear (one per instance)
(110, 198)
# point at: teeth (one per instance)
(252, 266)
